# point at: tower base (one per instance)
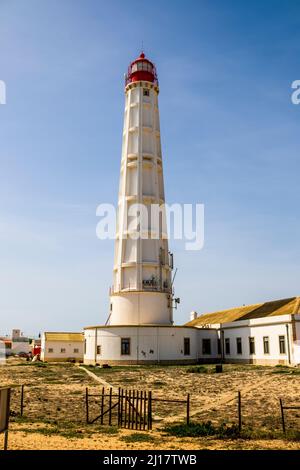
(140, 308)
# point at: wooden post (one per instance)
(149, 410)
(22, 400)
(133, 413)
(121, 412)
(141, 410)
(110, 405)
(5, 440)
(137, 410)
(282, 415)
(240, 410)
(188, 409)
(102, 404)
(87, 404)
(119, 405)
(126, 407)
(145, 411)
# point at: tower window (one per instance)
(146, 92)
(99, 349)
(125, 346)
(187, 347)
(239, 345)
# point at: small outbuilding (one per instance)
(62, 347)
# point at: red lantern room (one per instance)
(141, 69)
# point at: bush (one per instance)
(205, 428)
(198, 370)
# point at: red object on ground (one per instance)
(141, 69)
(36, 350)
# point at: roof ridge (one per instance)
(251, 305)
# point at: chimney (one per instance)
(193, 315)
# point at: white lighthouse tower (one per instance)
(139, 328)
(141, 293)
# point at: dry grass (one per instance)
(54, 414)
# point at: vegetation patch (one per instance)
(198, 370)
(138, 437)
(203, 429)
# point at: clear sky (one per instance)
(230, 138)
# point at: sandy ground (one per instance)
(54, 413)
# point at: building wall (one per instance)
(271, 327)
(147, 344)
(20, 346)
(57, 355)
(296, 339)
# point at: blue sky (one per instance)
(230, 138)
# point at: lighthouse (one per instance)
(141, 293)
(139, 327)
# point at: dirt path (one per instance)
(98, 379)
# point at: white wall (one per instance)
(20, 346)
(271, 327)
(153, 344)
(57, 355)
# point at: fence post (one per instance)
(188, 409)
(5, 440)
(282, 415)
(149, 410)
(121, 410)
(102, 405)
(87, 404)
(240, 410)
(141, 410)
(22, 400)
(145, 410)
(119, 405)
(110, 394)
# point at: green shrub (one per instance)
(205, 428)
(198, 370)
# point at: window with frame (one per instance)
(239, 349)
(146, 92)
(50, 350)
(76, 350)
(99, 350)
(282, 349)
(227, 345)
(125, 346)
(186, 346)
(266, 345)
(251, 345)
(63, 350)
(206, 346)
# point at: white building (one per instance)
(266, 334)
(62, 347)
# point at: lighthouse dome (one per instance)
(141, 69)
